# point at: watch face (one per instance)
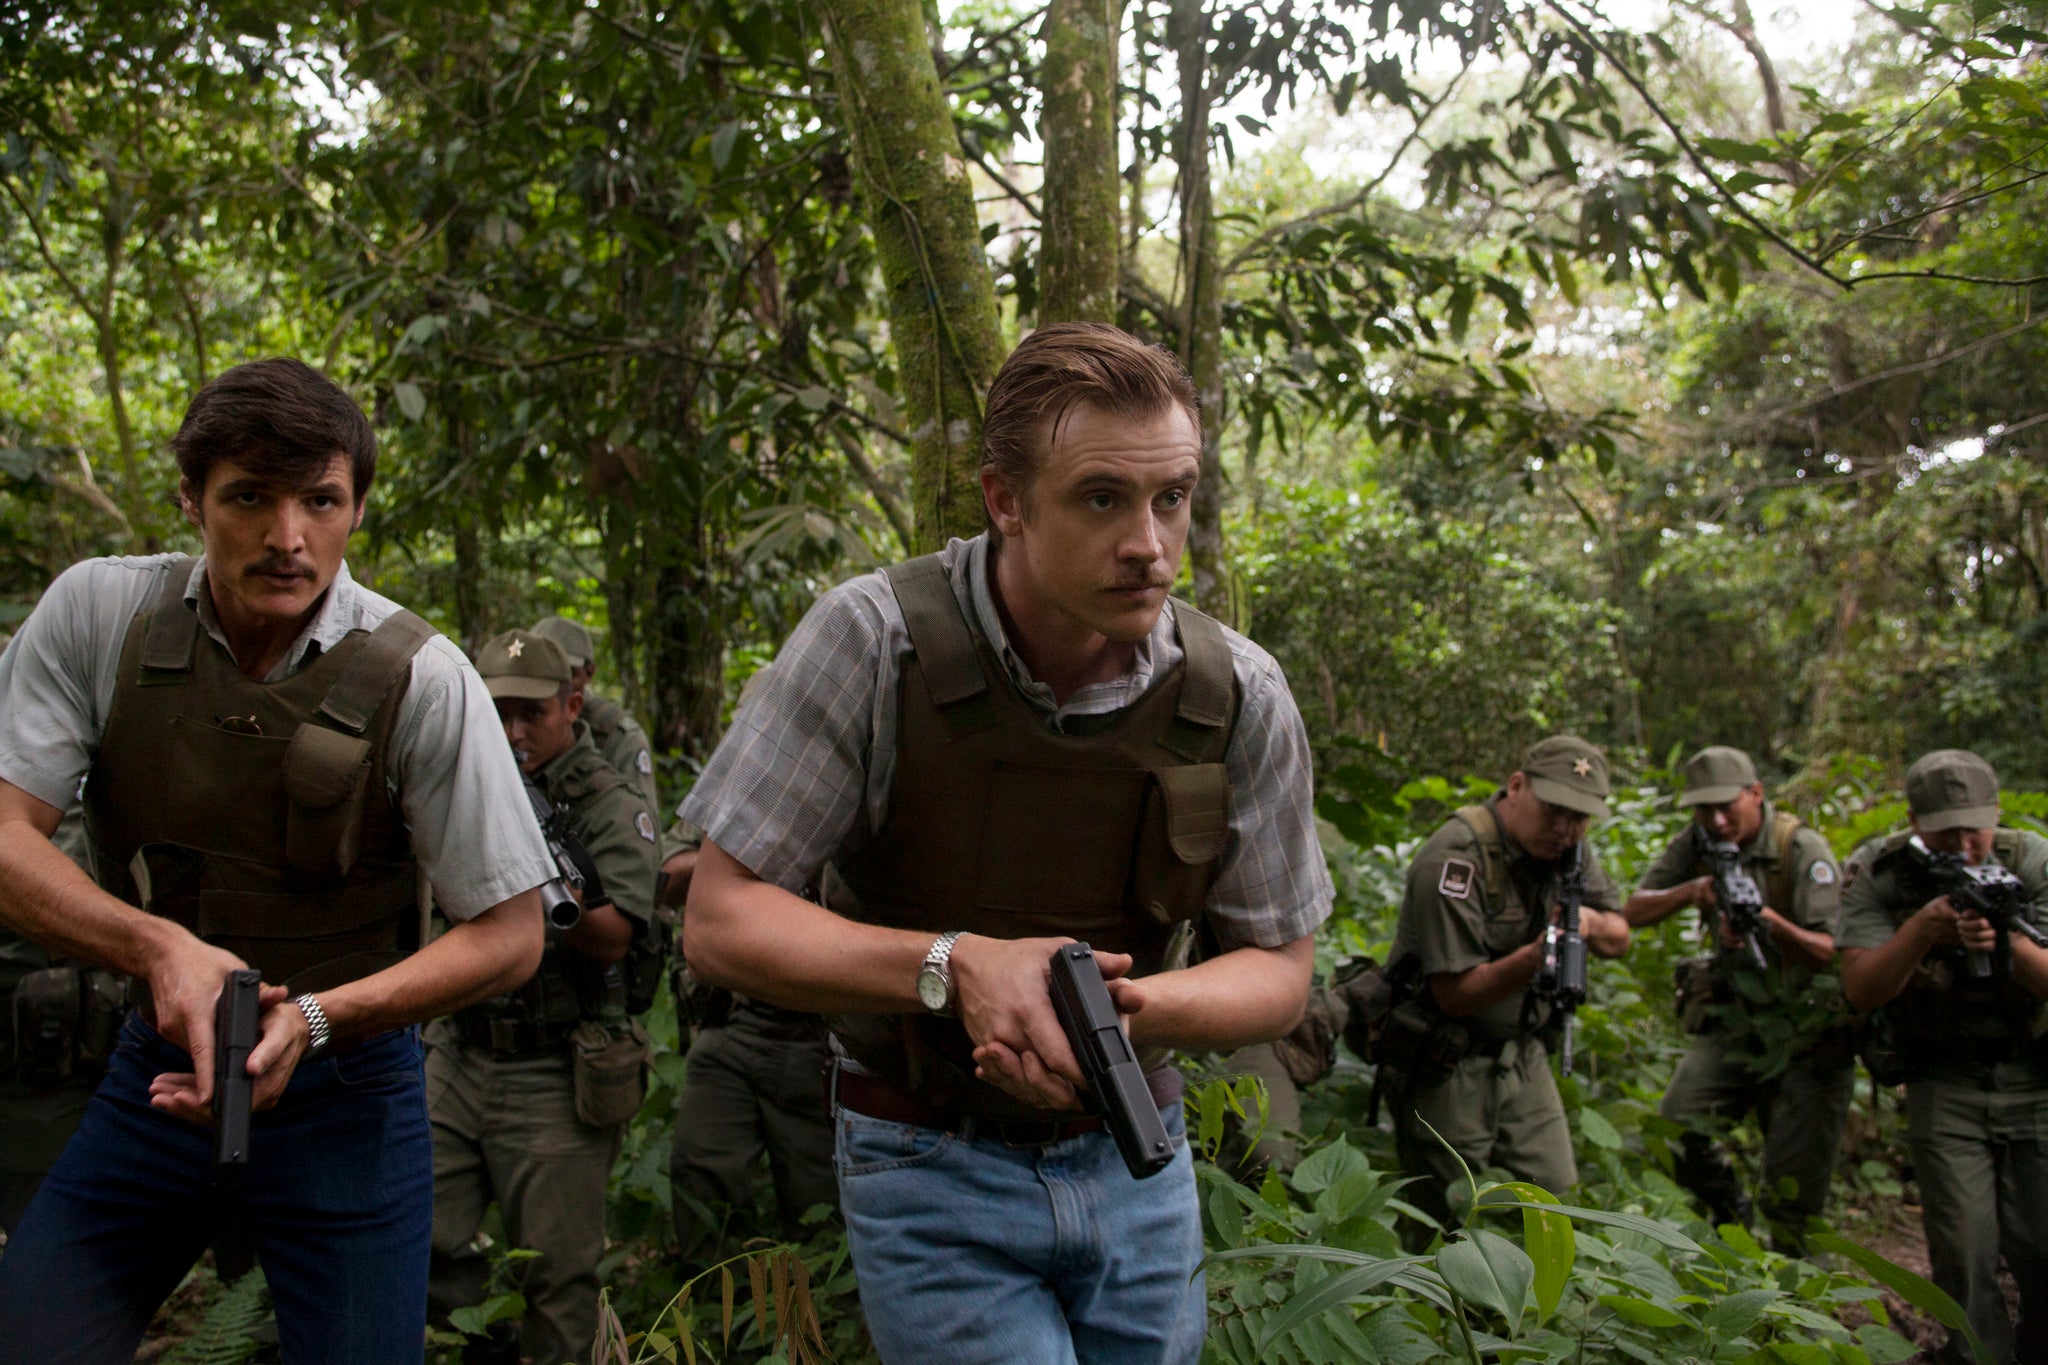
(931, 989)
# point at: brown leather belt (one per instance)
(880, 1099)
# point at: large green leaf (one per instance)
(1332, 1293)
(1487, 1269)
(1930, 1299)
(1550, 1242)
(1662, 1233)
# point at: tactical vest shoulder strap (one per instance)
(173, 630)
(1493, 854)
(1779, 894)
(1208, 686)
(938, 632)
(368, 677)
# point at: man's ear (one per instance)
(188, 503)
(362, 506)
(575, 703)
(1005, 506)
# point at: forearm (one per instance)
(1810, 946)
(1874, 976)
(1459, 994)
(1645, 908)
(1606, 931)
(476, 959)
(752, 936)
(603, 935)
(1248, 995)
(46, 898)
(2030, 966)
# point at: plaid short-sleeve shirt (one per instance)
(803, 778)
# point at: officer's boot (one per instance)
(1704, 1169)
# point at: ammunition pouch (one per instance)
(609, 1071)
(326, 779)
(64, 1021)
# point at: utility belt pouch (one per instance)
(1693, 984)
(105, 1007)
(1421, 1045)
(47, 1006)
(610, 1071)
(325, 774)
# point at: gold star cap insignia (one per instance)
(1583, 767)
(515, 649)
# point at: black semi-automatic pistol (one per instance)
(236, 1023)
(1104, 1050)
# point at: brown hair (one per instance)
(282, 419)
(1064, 364)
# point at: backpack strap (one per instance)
(1208, 687)
(946, 656)
(173, 628)
(1493, 853)
(369, 677)
(1778, 892)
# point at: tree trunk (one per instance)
(1201, 308)
(1744, 29)
(920, 206)
(1078, 263)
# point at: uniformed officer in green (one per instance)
(1798, 1071)
(1969, 1047)
(612, 727)
(58, 1018)
(755, 1087)
(528, 1092)
(1481, 892)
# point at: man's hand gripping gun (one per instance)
(1988, 891)
(1104, 1050)
(1561, 979)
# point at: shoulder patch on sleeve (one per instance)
(644, 823)
(1822, 873)
(1456, 880)
(644, 763)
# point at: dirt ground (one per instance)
(1892, 1229)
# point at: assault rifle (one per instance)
(237, 1017)
(1561, 979)
(578, 874)
(1739, 899)
(1986, 890)
(1104, 1050)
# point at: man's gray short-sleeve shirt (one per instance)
(451, 772)
(803, 778)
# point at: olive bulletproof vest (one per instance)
(999, 826)
(1942, 1003)
(256, 814)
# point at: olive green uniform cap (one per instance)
(1717, 774)
(1567, 771)
(522, 665)
(1952, 789)
(571, 637)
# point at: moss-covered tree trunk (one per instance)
(1078, 265)
(920, 206)
(1201, 310)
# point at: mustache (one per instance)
(1133, 584)
(284, 564)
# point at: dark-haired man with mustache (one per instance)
(972, 759)
(273, 757)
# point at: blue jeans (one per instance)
(967, 1250)
(338, 1196)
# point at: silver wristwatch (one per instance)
(316, 1024)
(935, 977)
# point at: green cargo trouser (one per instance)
(34, 1126)
(1801, 1111)
(507, 1130)
(1501, 1111)
(1980, 1154)
(755, 1083)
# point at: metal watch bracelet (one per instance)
(316, 1024)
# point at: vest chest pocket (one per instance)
(1507, 925)
(326, 773)
(1180, 841)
